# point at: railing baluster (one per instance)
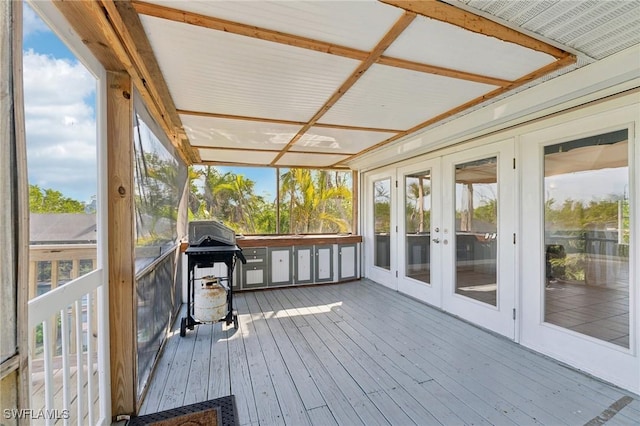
(90, 356)
(66, 370)
(48, 368)
(32, 351)
(104, 387)
(79, 373)
(54, 284)
(74, 341)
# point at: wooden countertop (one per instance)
(294, 240)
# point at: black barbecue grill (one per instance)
(210, 242)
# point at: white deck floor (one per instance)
(359, 353)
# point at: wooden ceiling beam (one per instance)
(444, 12)
(218, 24)
(128, 27)
(445, 72)
(94, 23)
(561, 63)
(401, 24)
(85, 19)
(240, 164)
(237, 28)
(287, 122)
(291, 151)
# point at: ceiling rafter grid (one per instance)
(308, 82)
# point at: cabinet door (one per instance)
(254, 272)
(280, 263)
(303, 265)
(324, 263)
(347, 261)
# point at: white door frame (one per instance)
(611, 362)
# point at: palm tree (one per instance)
(241, 192)
(215, 193)
(382, 206)
(310, 196)
(295, 182)
(416, 193)
(196, 204)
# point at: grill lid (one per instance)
(210, 233)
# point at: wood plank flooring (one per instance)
(361, 354)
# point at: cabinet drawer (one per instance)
(255, 254)
(259, 251)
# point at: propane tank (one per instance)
(210, 300)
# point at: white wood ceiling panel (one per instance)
(336, 22)
(294, 159)
(344, 141)
(394, 98)
(214, 71)
(229, 133)
(595, 28)
(445, 45)
(256, 158)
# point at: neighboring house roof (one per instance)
(62, 228)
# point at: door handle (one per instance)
(436, 240)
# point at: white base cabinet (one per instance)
(324, 263)
(280, 264)
(303, 265)
(347, 261)
(298, 265)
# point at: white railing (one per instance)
(69, 354)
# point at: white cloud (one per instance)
(31, 22)
(60, 125)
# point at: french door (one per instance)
(380, 228)
(579, 240)
(419, 231)
(477, 236)
(403, 212)
(442, 230)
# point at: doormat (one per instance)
(215, 412)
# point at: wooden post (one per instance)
(33, 278)
(75, 268)
(14, 216)
(122, 294)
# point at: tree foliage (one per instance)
(311, 201)
(44, 200)
(159, 184)
(314, 201)
(574, 214)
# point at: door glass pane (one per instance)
(476, 207)
(417, 217)
(382, 223)
(586, 211)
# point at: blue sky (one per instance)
(40, 38)
(59, 113)
(264, 177)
